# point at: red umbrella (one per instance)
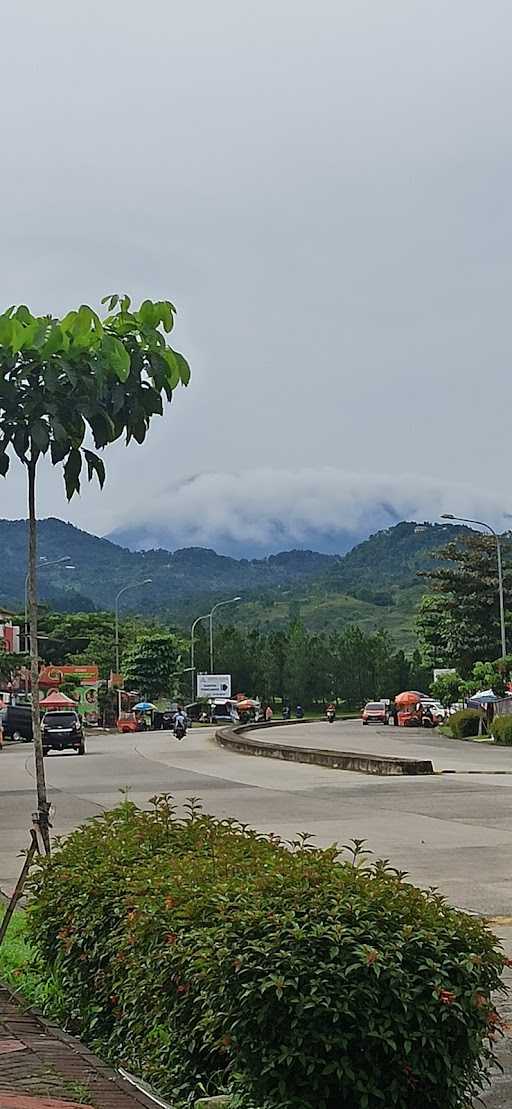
(408, 698)
(57, 700)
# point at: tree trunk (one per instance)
(42, 800)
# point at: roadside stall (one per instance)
(409, 710)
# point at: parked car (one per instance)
(17, 722)
(375, 712)
(63, 730)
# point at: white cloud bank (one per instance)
(265, 510)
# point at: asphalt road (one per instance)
(452, 831)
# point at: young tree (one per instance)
(447, 689)
(460, 623)
(63, 382)
(149, 666)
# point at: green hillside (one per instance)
(375, 585)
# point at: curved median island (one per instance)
(254, 739)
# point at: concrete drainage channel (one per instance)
(242, 740)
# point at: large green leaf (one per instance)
(116, 356)
(149, 313)
(56, 341)
(23, 314)
(16, 340)
(96, 466)
(173, 370)
(166, 315)
(72, 470)
(5, 330)
(40, 435)
(102, 429)
(59, 449)
(183, 367)
(21, 441)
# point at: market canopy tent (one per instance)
(57, 700)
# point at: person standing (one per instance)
(268, 714)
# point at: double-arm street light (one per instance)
(232, 601)
(482, 524)
(207, 616)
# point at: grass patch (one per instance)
(19, 968)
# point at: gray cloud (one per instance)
(270, 510)
(324, 190)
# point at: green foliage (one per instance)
(460, 623)
(82, 637)
(223, 960)
(150, 664)
(349, 665)
(9, 664)
(391, 557)
(490, 675)
(447, 689)
(501, 729)
(465, 723)
(64, 379)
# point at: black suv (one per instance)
(63, 729)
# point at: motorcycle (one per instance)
(331, 715)
(179, 730)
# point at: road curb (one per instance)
(238, 739)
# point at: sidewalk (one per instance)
(43, 1068)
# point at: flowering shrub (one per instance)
(208, 958)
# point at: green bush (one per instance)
(465, 723)
(502, 730)
(208, 958)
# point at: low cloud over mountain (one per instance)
(262, 511)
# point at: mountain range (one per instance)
(375, 584)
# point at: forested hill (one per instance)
(184, 581)
(391, 558)
(101, 568)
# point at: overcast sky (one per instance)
(324, 191)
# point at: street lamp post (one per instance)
(133, 584)
(192, 657)
(232, 601)
(482, 524)
(43, 565)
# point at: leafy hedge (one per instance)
(465, 723)
(502, 730)
(207, 958)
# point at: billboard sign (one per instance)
(442, 673)
(214, 685)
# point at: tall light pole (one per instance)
(192, 658)
(125, 588)
(43, 565)
(232, 601)
(481, 524)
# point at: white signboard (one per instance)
(442, 673)
(214, 685)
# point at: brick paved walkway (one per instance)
(43, 1068)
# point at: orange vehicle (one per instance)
(409, 710)
(128, 722)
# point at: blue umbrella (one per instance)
(144, 706)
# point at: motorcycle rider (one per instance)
(180, 721)
(330, 713)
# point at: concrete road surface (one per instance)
(415, 743)
(452, 831)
